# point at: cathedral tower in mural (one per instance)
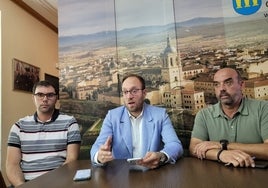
(171, 66)
(172, 77)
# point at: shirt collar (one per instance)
(243, 109)
(131, 116)
(53, 118)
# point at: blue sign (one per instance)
(246, 7)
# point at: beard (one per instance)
(225, 98)
(134, 107)
(46, 109)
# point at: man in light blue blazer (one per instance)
(137, 130)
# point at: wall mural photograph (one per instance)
(175, 45)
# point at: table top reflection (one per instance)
(187, 172)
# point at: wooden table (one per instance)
(186, 173)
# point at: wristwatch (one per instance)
(163, 158)
(224, 144)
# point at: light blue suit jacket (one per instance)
(158, 133)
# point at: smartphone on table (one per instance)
(83, 174)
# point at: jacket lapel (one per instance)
(125, 126)
(147, 130)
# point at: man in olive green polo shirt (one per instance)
(235, 130)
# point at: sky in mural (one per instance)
(87, 17)
(84, 19)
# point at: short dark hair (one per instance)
(136, 76)
(239, 77)
(45, 83)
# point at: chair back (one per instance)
(2, 181)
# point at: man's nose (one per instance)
(222, 87)
(45, 97)
(129, 95)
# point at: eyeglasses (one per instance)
(132, 91)
(43, 95)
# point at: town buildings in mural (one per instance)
(178, 71)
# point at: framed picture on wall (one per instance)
(25, 75)
(53, 79)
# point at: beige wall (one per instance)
(27, 39)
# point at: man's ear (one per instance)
(242, 84)
(144, 92)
